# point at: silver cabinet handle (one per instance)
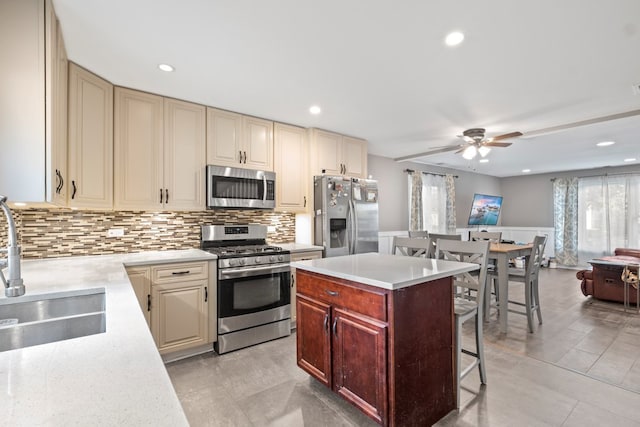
(332, 293)
(335, 327)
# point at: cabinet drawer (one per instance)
(350, 298)
(171, 273)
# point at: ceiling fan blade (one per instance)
(429, 153)
(506, 136)
(462, 148)
(497, 144)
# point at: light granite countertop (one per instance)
(383, 270)
(113, 378)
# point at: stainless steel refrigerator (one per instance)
(345, 215)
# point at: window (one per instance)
(431, 214)
(608, 215)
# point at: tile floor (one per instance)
(581, 367)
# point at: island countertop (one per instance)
(383, 270)
(112, 378)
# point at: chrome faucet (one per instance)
(13, 285)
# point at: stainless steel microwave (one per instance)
(229, 187)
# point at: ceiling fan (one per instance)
(476, 143)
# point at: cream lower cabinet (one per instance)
(291, 157)
(299, 256)
(335, 154)
(160, 152)
(179, 302)
(140, 278)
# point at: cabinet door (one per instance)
(299, 256)
(140, 278)
(179, 315)
(184, 155)
(290, 160)
(224, 136)
(90, 180)
(257, 146)
(313, 339)
(138, 150)
(354, 154)
(326, 152)
(59, 68)
(359, 342)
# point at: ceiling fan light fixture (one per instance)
(469, 152)
(454, 38)
(484, 150)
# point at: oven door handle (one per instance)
(251, 271)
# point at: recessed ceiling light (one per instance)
(526, 170)
(314, 109)
(605, 143)
(166, 67)
(454, 38)
(484, 160)
(631, 159)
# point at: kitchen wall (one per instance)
(394, 194)
(528, 200)
(45, 233)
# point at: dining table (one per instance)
(502, 253)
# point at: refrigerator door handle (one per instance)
(354, 227)
(349, 228)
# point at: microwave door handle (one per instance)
(264, 188)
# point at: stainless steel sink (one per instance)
(41, 319)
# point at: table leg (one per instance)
(503, 287)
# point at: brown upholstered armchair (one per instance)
(603, 282)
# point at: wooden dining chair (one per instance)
(434, 239)
(529, 277)
(465, 308)
(408, 246)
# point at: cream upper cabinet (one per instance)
(90, 170)
(335, 154)
(291, 156)
(354, 155)
(33, 106)
(257, 147)
(59, 69)
(184, 155)
(138, 152)
(159, 152)
(224, 131)
(239, 141)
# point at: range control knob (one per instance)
(232, 262)
(280, 257)
(241, 261)
(272, 258)
(257, 260)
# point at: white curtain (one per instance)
(565, 218)
(609, 215)
(432, 202)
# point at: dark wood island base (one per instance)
(388, 352)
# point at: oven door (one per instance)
(250, 296)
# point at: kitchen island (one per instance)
(112, 378)
(379, 331)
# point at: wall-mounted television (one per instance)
(485, 209)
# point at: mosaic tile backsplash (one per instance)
(50, 233)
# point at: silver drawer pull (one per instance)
(178, 273)
(332, 293)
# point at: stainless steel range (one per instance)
(254, 285)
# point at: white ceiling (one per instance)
(380, 70)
